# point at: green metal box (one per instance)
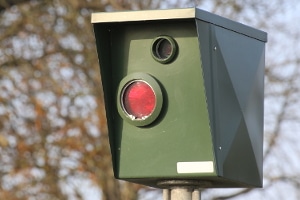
(208, 84)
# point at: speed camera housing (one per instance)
(184, 93)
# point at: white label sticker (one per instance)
(195, 167)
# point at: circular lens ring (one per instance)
(138, 99)
(124, 84)
(163, 49)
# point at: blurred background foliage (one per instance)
(53, 136)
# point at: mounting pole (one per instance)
(182, 190)
(181, 194)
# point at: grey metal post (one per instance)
(196, 195)
(181, 193)
(166, 194)
(182, 190)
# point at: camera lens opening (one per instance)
(164, 49)
(138, 99)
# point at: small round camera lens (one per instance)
(164, 49)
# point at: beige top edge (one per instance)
(125, 16)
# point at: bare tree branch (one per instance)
(5, 4)
(282, 114)
(233, 195)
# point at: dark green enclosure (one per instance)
(203, 113)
